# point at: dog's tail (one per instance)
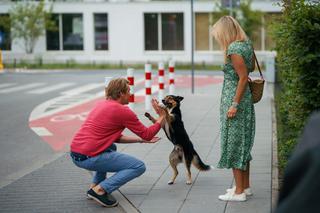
(198, 163)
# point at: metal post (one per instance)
(192, 50)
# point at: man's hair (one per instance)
(116, 87)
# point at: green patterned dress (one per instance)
(237, 134)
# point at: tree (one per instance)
(250, 20)
(28, 21)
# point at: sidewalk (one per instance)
(60, 186)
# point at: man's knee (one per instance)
(141, 168)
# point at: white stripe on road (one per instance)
(41, 131)
(82, 89)
(6, 85)
(23, 87)
(50, 89)
(41, 110)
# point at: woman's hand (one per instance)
(232, 112)
(153, 140)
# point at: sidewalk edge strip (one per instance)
(124, 202)
(275, 169)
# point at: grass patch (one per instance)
(73, 65)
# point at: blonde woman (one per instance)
(237, 114)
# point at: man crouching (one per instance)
(93, 147)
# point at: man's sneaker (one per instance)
(229, 196)
(106, 199)
(247, 190)
(88, 198)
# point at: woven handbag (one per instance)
(256, 86)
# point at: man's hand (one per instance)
(155, 105)
(153, 140)
(160, 111)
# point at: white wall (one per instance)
(126, 33)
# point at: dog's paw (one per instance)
(189, 182)
(170, 182)
(212, 168)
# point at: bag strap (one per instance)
(256, 60)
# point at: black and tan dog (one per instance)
(183, 150)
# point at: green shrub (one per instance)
(298, 47)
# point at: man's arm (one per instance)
(135, 139)
(131, 121)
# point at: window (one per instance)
(261, 36)
(101, 31)
(69, 35)
(169, 36)
(256, 38)
(151, 31)
(72, 28)
(203, 38)
(172, 31)
(202, 31)
(53, 40)
(5, 40)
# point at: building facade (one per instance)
(123, 31)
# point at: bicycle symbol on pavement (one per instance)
(69, 117)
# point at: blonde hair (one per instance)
(116, 87)
(227, 30)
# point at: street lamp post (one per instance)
(192, 50)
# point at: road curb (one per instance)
(274, 164)
(124, 202)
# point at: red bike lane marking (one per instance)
(63, 125)
(199, 81)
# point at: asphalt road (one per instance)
(21, 150)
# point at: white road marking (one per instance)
(82, 89)
(23, 87)
(6, 85)
(66, 102)
(50, 89)
(41, 131)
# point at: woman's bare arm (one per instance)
(242, 71)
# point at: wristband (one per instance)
(235, 104)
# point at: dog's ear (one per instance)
(179, 98)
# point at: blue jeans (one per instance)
(124, 166)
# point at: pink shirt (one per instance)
(104, 126)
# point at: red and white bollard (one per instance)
(171, 77)
(161, 81)
(130, 78)
(148, 85)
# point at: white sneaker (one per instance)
(229, 196)
(247, 190)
